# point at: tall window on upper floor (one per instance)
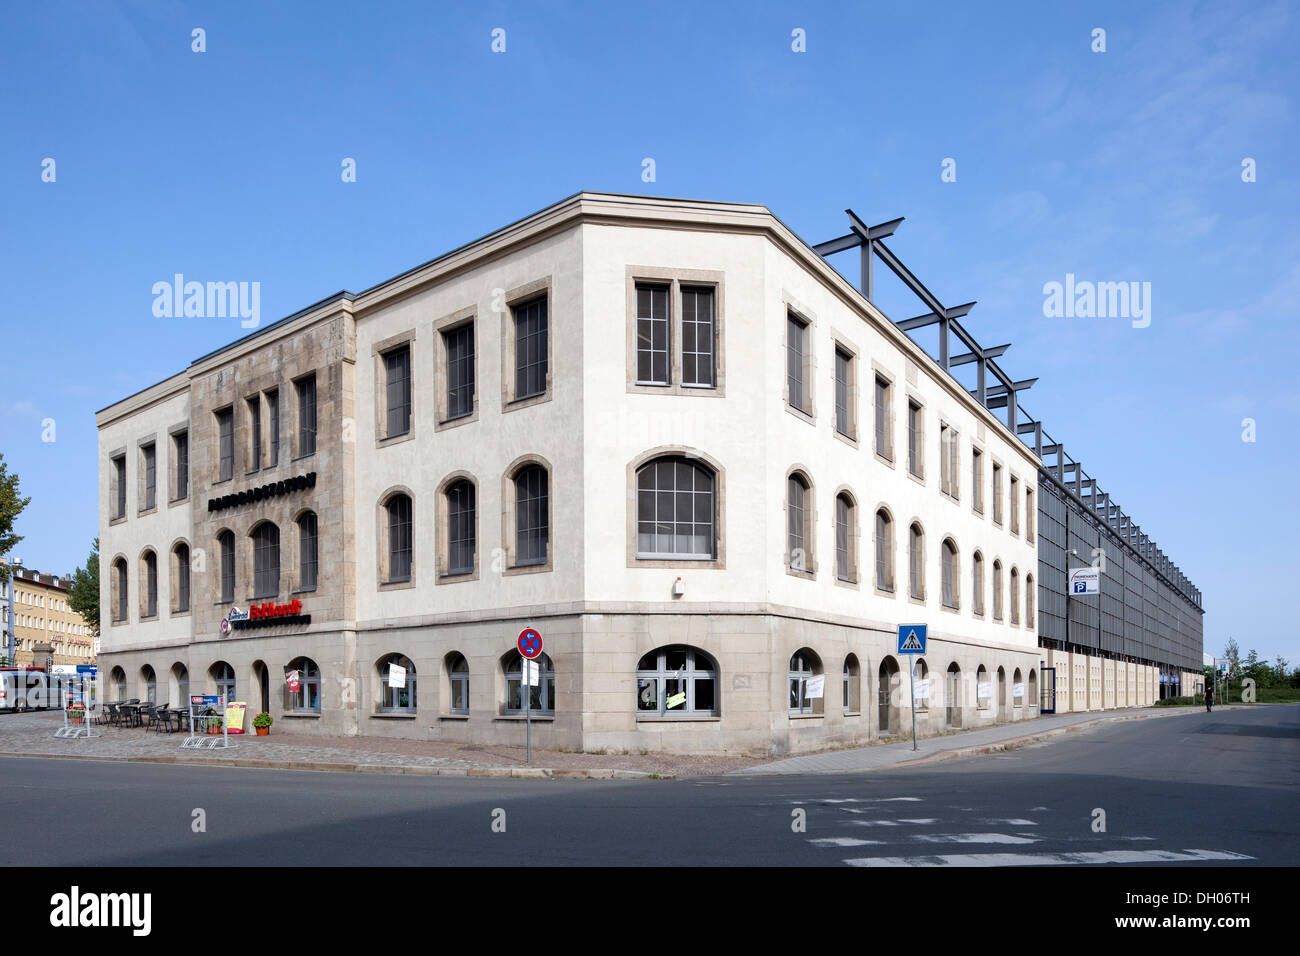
(977, 583)
(397, 381)
(307, 552)
(1015, 505)
(121, 609)
(884, 551)
(950, 574)
(254, 433)
(149, 588)
(149, 468)
(915, 436)
(1030, 620)
(118, 489)
(226, 545)
(675, 510)
(273, 427)
(884, 416)
(306, 388)
(531, 348)
(266, 560)
(1029, 514)
(698, 337)
(461, 526)
(997, 590)
(916, 562)
(1015, 596)
(798, 556)
(949, 461)
(181, 455)
(459, 345)
(845, 393)
(997, 493)
(797, 360)
(846, 533)
(398, 511)
(653, 335)
(181, 564)
(225, 444)
(532, 516)
(977, 479)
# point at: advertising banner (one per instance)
(235, 716)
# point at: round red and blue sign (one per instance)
(530, 643)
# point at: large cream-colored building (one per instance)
(46, 630)
(666, 434)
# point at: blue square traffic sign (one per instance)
(911, 638)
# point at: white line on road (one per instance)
(1051, 859)
(843, 841)
(972, 838)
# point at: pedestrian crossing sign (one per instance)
(911, 638)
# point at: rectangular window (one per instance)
(977, 479)
(945, 465)
(914, 437)
(796, 350)
(1029, 516)
(884, 436)
(306, 416)
(228, 568)
(697, 337)
(254, 433)
(997, 493)
(226, 444)
(397, 374)
(150, 460)
(459, 344)
(652, 335)
(181, 449)
(843, 393)
(531, 348)
(118, 489)
(307, 553)
(273, 426)
(1015, 505)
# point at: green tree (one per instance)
(11, 506)
(1232, 653)
(83, 596)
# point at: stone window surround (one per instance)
(252, 449)
(1013, 596)
(149, 441)
(173, 463)
(523, 295)
(295, 437)
(1013, 500)
(719, 560)
(950, 436)
(249, 555)
(809, 523)
(914, 398)
(441, 327)
(889, 456)
(855, 535)
(378, 351)
(234, 444)
(916, 522)
(115, 598)
(143, 588)
(995, 475)
(293, 550)
(216, 570)
(841, 343)
(997, 569)
(676, 278)
(173, 578)
(113, 456)
(854, 708)
(955, 608)
(382, 569)
(977, 606)
(508, 537)
(977, 488)
(442, 529)
(891, 551)
(793, 307)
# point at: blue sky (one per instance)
(1117, 166)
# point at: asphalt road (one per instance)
(1195, 789)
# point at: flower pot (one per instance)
(263, 731)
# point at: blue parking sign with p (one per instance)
(911, 638)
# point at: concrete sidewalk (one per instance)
(963, 743)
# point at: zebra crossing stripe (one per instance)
(1053, 859)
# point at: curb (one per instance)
(501, 773)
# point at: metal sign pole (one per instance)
(528, 706)
(913, 703)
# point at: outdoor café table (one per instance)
(132, 712)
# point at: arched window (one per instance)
(458, 679)
(846, 538)
(916, 562)
(1033, 687)
(120, 606)
(798, 552)
(181, 678)
(804, 664)
(543, 694)
(306, 700)
(532, 516)
(954, 696)
(921, 684)
(118, 678)
(1030, 620)
(884, 551)
(676, 511)
(950, 574)
(149, 568)
(997, 590)
(461, 522)
(223, 675)
(1015, 596)
(1017, 689)
(266, 560)
(676, 680)
(150, 682)
(226, 545)
(852, 685)
(397, 685)
(181, 593)
(983, 688)
(308, 552)
(977, 583)
(399, 552)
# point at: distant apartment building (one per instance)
(664, 433)
(47, 632)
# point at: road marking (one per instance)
(1052, 859)
(972, 838)
(1013, 822)
(858, 800)
(842, 841)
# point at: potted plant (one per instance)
(214, 726)
(262, 723)
(76, 713)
